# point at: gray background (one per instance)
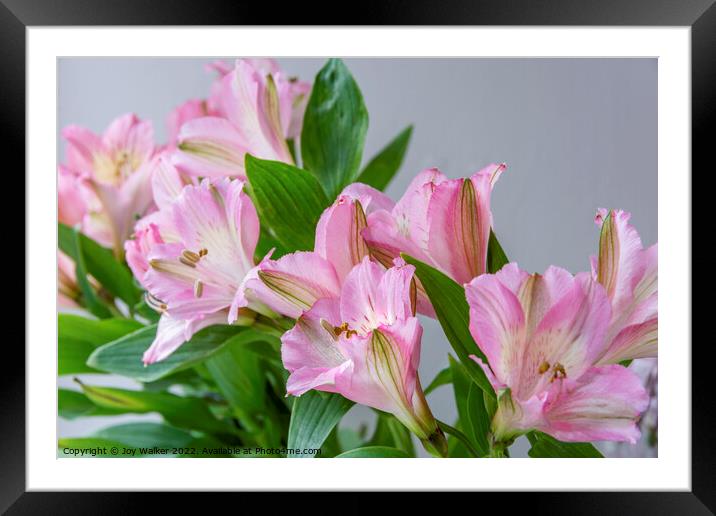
(576, 134)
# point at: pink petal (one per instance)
(204, 272)
(496, 384)
(384, 374)
(459, 221)
(269, 108)
(219, 66)
(497, 323)
(164, 220)
(405, 227)
(568, 339)
(292, 284)
(370, 198)
(602, 405)
(244, 100)
(310, 351)
(646, 290)
(130, 135)
(372, 296)
(82, 146)
(138, 249)
(299, 93)
(67, 289)
(620, 264)
(71, 205)
(174, 283)
(386, 239)
(634, 341)
(411, 211)
(339, 235)
(189, 110)
(210, 147)
(167, 182)
(220, 218)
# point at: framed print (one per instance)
(434, 247)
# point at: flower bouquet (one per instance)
(254, 283)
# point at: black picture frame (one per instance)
(17, 15)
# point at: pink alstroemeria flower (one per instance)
(180, 115)
(365, 345)
(197, 279)
(156, 227)
(629, 274)
(443, 222)
(71, 210)
(114, 167)
(67, 290)
(71, 200)
(293, 94)
(542, 335)
(293, 283)
(257, 112)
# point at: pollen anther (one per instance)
(344, 328)
(559, 372)
(191, 255)
(186, 262)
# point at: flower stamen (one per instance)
(559, 373)
(154, 303)
(191, 256)
(344, 328)
(187, 262)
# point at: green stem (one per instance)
(498, 450)
(460, 436)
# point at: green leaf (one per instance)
(466, 447)
(444, 377)
(73, 404)
(124, 356)
(349, 439)
(146, 435)
(461, 387)
(266, 243)
(240, 378)
(383, 167)
(313, 417)
(334, 128)
(89, 297)
(478, 419)
(289, 201)
(401, 436)
(545, 446)
(188, 379)
(456, 448)
(453, 312)
(79, 336)
(179, 411)
(100, 262)
(470, 407)
(372, 452)
(391, 432)
(496, 257)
